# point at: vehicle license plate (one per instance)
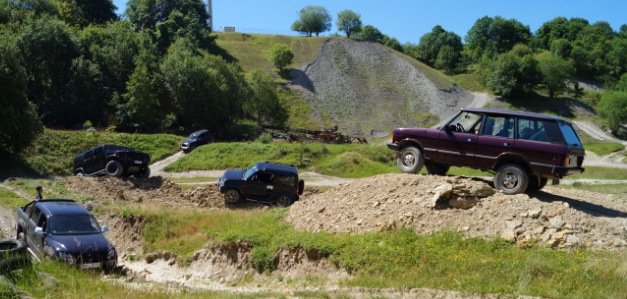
(138, 162)
(90, 265)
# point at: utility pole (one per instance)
(210, 11)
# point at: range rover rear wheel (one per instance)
(437, 168)
(511, 179)
(114, 168)
(231, 196)
(410, 159)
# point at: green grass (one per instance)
(251, 51)
(402, 259)
(603, 148)
(53, 151)
(10, 200)
(343, 160)
(601, 173)
(470, 82)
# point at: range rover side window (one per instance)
(501, 126)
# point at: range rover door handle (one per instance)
(471, 140)
(507, 144)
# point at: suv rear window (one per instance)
(570, 135)
(284, 180)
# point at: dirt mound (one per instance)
(427, 204)
(156, 190)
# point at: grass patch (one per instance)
(51, 188)
(68, 282)
(402, 259)
(470, 82)
(10, 200)
(251, 51)
(603, 148)
(53, 152)
(601, 173)
(343, 160)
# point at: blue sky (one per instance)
(408, 20)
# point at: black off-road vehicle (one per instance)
(112, 160)
(263, 182)
(196, 139)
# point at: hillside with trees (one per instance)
(161, 70)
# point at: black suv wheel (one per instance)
(231, 196)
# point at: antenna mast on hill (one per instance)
(210, 11)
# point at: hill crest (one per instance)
(365, 87)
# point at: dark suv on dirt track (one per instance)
(524, 149)
(113, 160)
(263, 182)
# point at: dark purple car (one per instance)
(523, 149)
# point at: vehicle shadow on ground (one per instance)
(582, 206)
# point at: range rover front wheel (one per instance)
(511, 179)
(410, 159)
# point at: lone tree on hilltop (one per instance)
(349, 22)
(313, 19)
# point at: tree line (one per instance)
(508, 58)
(65, 63)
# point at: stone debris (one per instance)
(427, 204)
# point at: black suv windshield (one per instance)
(193, 136)
(249, 172)
(74, 225)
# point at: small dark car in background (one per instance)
(524, 149)
(112, 160)
(263, 182)
(196, 139)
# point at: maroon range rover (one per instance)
(523, 149)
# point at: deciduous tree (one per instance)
(264, 106)
(556, 73)
(312, 19)
(19, 124)
(613, 107)
(281, 56)
(349, 22)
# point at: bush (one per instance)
(265, 138)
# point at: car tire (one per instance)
(511, 179)
(437, 168)
(410, 159)
(301, 187)
(15, 263)
(285, 200)
(114, 168)
(80, 173)
(11, 248)
(231, 196)
(144, 174)
(533, 184)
